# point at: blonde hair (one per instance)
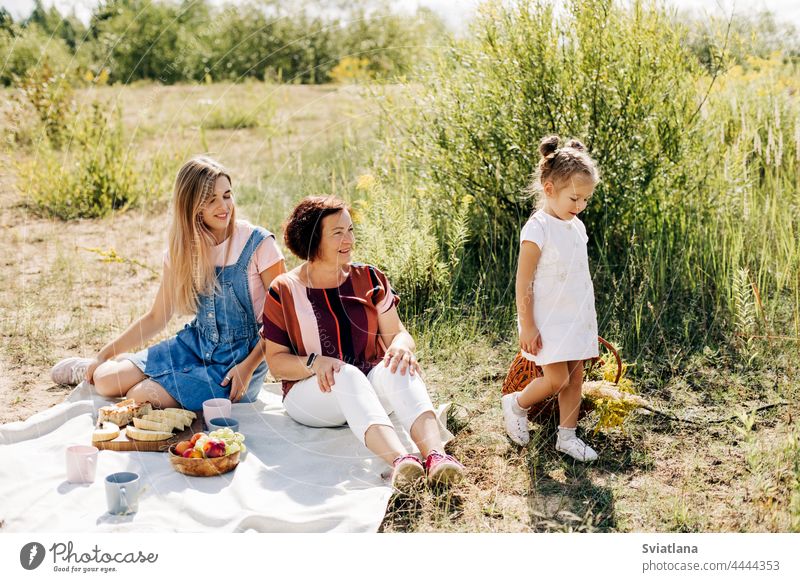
(190, 240)
(558, 165)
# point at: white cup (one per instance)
(81, 463)
(216, 408)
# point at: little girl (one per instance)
(555, 297)
(216, 268)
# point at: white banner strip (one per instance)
(388, 557)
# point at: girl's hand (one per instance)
(324, 367)
(92, 367)
(402, 357)
(530, 340)
(238, 378)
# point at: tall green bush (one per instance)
(55, 25)
(395, 232)
(48, 96)
(616, 78)
(258, 40)
(139, 39)
(91, 179)
(392, 44)
(697, 183)
(620, 81)
(23, 50)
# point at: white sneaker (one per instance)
(70, 371)
(576, 448)
(516, 420)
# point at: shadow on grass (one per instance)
(564, 495)
(432, 508)
(402, 513)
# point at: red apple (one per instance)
(214, 448)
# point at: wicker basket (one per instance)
(523, 370)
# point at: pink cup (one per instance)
(216, 408)
(81, 463)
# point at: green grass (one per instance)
(231, 116)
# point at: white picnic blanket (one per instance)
(292, 479)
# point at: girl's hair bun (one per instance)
(576, 145)
(560, 165)
(548, 145)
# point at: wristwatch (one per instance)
(310, 361)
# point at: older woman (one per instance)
(334, 337)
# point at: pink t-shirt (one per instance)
(265, 256)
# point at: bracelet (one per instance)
(311, 359)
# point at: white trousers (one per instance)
(358, 400)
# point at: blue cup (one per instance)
(122, 493)
(223, 422)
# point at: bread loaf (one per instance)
(123, 413)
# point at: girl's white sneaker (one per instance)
(576, 448)
(516, 420)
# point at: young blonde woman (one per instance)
(217, 268)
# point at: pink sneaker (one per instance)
(443, 469)
(406, 472)
(70, 371)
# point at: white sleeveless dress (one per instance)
(563, 294)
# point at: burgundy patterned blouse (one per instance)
(340, 322)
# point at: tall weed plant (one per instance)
(42, 105)
(91, 178)
(395, 232)
(753, 137)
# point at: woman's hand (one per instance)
(324, 367)
(403, 358)
(530, 340)
(238, 378)
(92, 367)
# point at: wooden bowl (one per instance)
(203, 467)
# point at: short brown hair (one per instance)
(302, 231)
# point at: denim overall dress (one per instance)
(191, 365)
